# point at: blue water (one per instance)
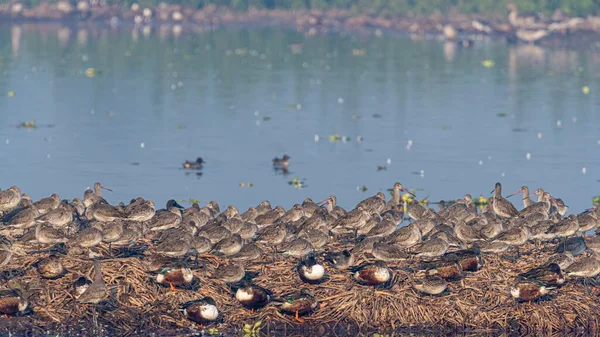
(239, 97)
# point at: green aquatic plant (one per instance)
(596, 200)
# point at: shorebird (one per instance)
(396, 197)
(432, 248)
(60, 216)
(141, 211)
(231, 273)
(87, 238)
(263, 207)
(502, 207)
(406, 237)
(526, 200)
(375, 204)
(97, 290)
(229, 245)
(25, 218)
(45, 205)
(9, 198)
(248, 253)
(431, 285)
(296, 248)
(269, 217)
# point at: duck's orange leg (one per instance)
(298, 318)
(171, 286)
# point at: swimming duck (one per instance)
(282, 162)
(310, 271)
(299, 303)
(431, 285)
(251, 295)
(194, 165)
(340, 260)
(373, 274)
(13, 301)
(201, 311)
(50, 267)
(174, 277)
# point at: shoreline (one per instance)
(310, 22)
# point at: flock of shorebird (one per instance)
(449, 242)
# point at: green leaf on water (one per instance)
(596, 200)
(266, 118)
(502, 114)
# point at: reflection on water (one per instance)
(131, 105)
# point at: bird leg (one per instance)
(298, 318)
(172, 287)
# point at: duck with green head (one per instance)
(299, 303)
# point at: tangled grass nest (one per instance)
(480, 301)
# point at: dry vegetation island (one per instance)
(473, 265)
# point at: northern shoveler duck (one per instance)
(194, 165)
(174, 277)
(12, 301)
(282, 162)
(373, 274)
(549, 275)
(299, 303)
(251, 295)
(50, 267)
(469, 259)
(448, 267)
(80, 285)
(528, 290)
(431, 285)
(201, 311)
(310, 271)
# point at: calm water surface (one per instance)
(239, 97)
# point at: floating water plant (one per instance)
(585, 90)
(297, 183)
(596, 200)
(28, 125)
(488, 63)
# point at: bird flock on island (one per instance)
(449, 242)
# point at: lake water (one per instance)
(239, 97)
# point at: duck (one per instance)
(282, 162)
(469, 259)
(340, 260)
(550, 275)
(13, 301)
(310, 271)
(251, 295)
(174, 277)
(528, 290)
(373, 274)
(298, 303)
(430, 285)
(50, 267)
(202, 311)
(448, 267)
(194, 165)
(80, 285)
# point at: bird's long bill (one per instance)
(409, 192)
(105, 188)
(517, 192)
(323, 202)
(492, 191)
(177, 205)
